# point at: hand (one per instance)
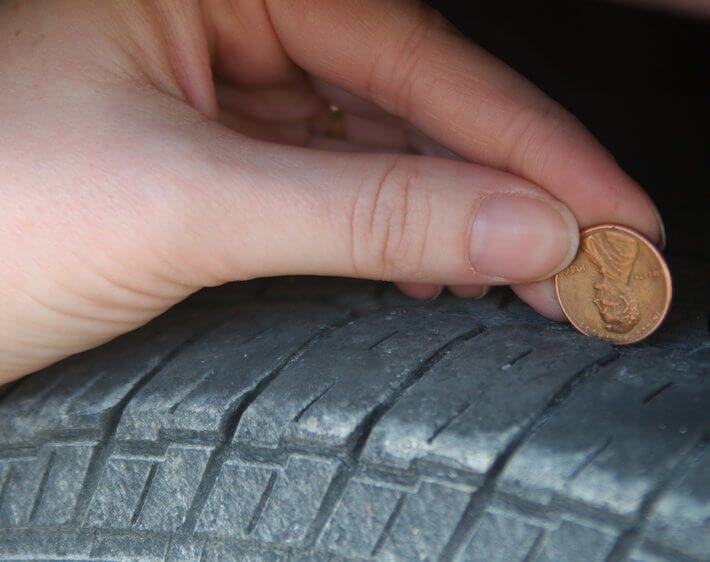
(148, 149)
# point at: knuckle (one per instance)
(532, 136)
(390, 223)
(399, 70)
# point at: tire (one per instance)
(330, 420)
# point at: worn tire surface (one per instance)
(327, 420)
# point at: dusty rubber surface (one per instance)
(328, 420)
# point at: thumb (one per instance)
(127, 233)
(391, 217)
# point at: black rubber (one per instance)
(327, 420)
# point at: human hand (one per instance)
(149, 149)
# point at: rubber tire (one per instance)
(328, 419)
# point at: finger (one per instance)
(542, 297)
(421, 291)
(402, 57)
(469, 291)
(353, 105)
(275, 210)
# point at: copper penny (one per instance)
(618, 287)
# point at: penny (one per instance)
(618, 287)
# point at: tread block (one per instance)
(232, 505)
(75, 542)
(359, 518)
(184, 548)
(195, 390)
(63, 484)
(319, 556)
(173, 488)
(643, 556)
(613, 441)
(681, 518)
(27, 543)
(118, 493)
(295, 499)
(216, 551)
(470, 405)
(325, 394)
(110, 545)
(425, 524)
(22, 483)
(501, 538)
(571, 540)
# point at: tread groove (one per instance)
(259, 333)
(230, 424)
(99, 460)
(444, 426)
(191, 391)
(308, 406)
(389, 525)
(382, 340)
(536, 547)
(655, 393)
(332, 496)
(634, 534)
(514, 360)
(42, 485)
(144, 494)
(591, 458)
(5, 483)
(362, 433)
(481, 498)
(263, 500)
(247, 399)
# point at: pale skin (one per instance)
(149, 149)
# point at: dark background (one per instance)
(638, 79)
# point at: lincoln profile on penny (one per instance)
(614, 254)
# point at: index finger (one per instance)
(404, 57)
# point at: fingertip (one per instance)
(542, 297)
(421, 291)
(522, 238)
(469, 291)
(662, 228)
